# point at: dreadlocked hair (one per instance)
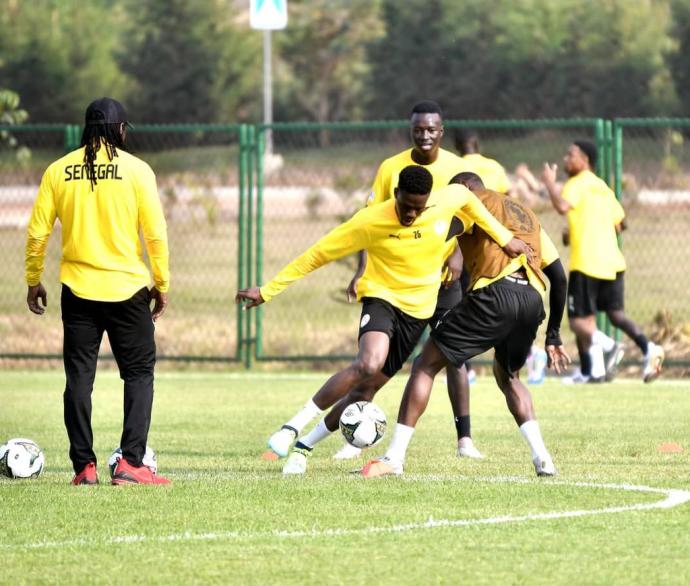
(93, 137)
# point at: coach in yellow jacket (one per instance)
(103, 197)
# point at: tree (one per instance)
(59, 55)
(323, 67)
(190, 63)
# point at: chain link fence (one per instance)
(318, 175)
(238, 211)
(198, 174)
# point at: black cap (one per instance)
(105, 111)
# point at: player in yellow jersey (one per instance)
(597, 266)
(502, 311)
(405, 242)
(426, 134)
(491, 171)
(104, 197)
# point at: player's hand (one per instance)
(452, 270)
(33, 296)
(557, 358)
(549, 173)
(160, 303)
(351, 290)
(253, 295)
(516, 247)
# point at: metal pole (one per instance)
(268, 92)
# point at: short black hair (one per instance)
(427, 107)
(590, 149)
(470, 180)
(415, 180)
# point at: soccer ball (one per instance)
(21, 458)
(149, 460)
(363, 424)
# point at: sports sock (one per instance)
(320, 432)
(401, 439)
(304, 416)
(530, 431)
(600, 338)
(462, 426)
(642, 343)
(596, 354)
(585, 364)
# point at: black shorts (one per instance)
(402, 329)
(587, 295)
(447, 299)
(504, 315)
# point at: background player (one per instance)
(597, 265)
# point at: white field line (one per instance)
(673, 498)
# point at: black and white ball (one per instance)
(363, 424)
(149, 460)
(21, 458)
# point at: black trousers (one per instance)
(131, 333)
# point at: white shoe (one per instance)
(575, 379)
(652, 362)
(281, 441)
(613, 360)
(471, 376)
(347, 452)
(544, 466)
(466, 449)
(296, 462)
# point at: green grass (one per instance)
(231, 518)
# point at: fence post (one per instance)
(260, 151)
(241, 238)
(249, 276)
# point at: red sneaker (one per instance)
(87, 476)
(125, 473)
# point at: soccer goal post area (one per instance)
(241, 201)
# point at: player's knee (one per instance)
(367, 366)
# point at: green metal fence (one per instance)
(237, 213)
(202, 177)
(319, 175)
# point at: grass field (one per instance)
(231, 518)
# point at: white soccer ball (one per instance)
(21, 458)
(149, 460)
(363, 424)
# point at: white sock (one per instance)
(304, 416)
(596, 353)
(320, 432)
(401, 439)
(530, 431)
(599, 337)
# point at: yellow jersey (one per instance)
(595, 212)
(102, 256)
(492, 173)
(446, 166)
(403, 262)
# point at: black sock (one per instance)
(585, 364)
(642, 343)
(462, 426)
(301, 446)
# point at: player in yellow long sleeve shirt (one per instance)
(404, 239)
(103, 197)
